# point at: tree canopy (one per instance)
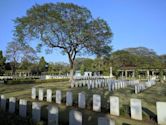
(17, 53)
(66, 26)
(142, 51)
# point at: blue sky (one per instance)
(133, 22)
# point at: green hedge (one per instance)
(30, 81)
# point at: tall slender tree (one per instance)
(2, 63)
(42, 65)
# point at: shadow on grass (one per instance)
(125, 111)
(151, 115)
(125, 124)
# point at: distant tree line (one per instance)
(139, 57)
(136, 58)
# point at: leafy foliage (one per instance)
(142, 51)
(58, 68)
(42, 65)
(126, 58)
(16, 53)
(65, 26)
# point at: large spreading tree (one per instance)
(65, 26)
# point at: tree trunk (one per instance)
(71, 74)
(71, 77)
(71, 60)
(14, 69)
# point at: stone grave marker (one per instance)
(136, 109)
(58, 96)
(75, 117)
(81, 100)
(69, 98)
(114, 105)
(33, 93)
(41, 94)
(161, 112)
(12, 104)
(49, 95)
(96, 103)
(53, 115)
(3, 102)
(36, 111)
(105, 121)
(23, 107)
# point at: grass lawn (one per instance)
(148, 97)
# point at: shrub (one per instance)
(30, 81)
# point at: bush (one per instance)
(30, 81)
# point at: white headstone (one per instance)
(49, 95)
(136, 109)
(161, 113)
(76, 84)
(81, 100)
(105, 121)
(113, 86)
(114, 105)
(89, 86)
(110, 71)
(23, 107)
(3, 102)
(93, 84)
(33, 93)
(96, 103)
(12, 104)
(36, 111)
(69, 99)
(58, 96)
(41, 94)
(52, 115)
(96, 84)
(109, 87)
(136, 89)
(75, 118)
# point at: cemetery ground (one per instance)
(149, 98)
